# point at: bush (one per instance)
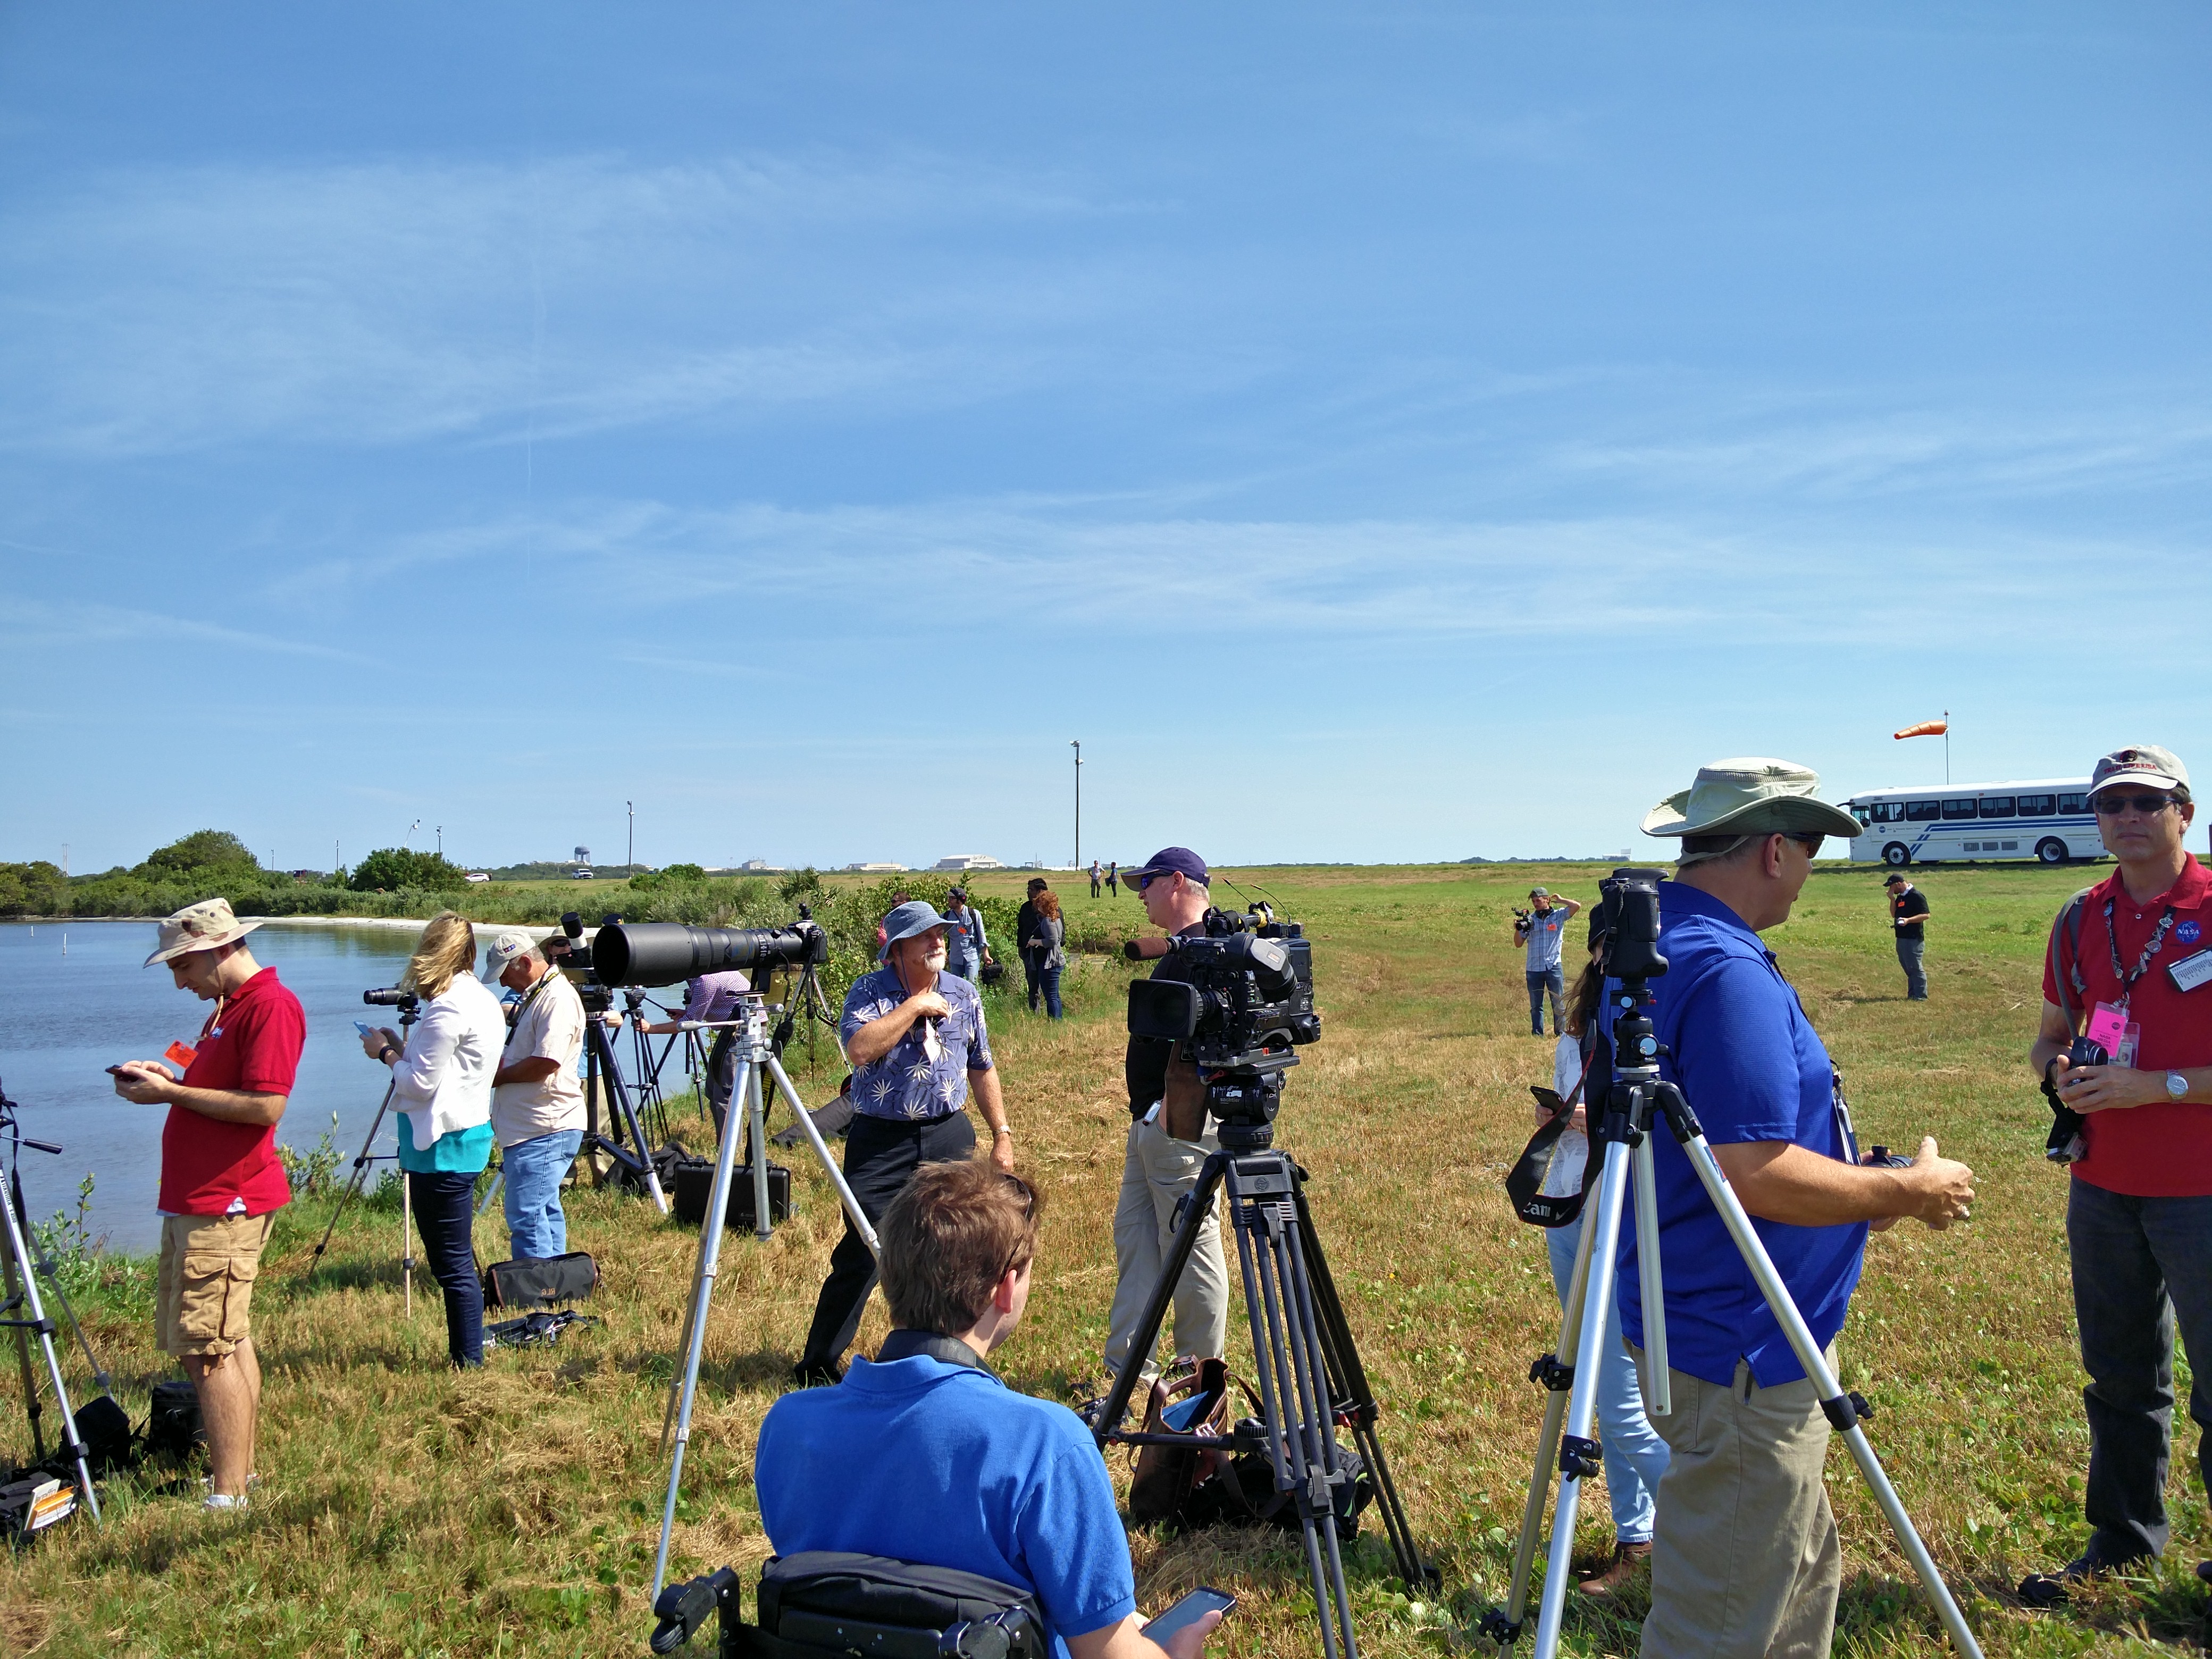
(661, 881)
(389, 869)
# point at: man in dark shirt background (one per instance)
(1170, 1137)
(1908, 909)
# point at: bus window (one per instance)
(1958, 809)
(1888, 812)
(2073, 804)
(1917, 812)
(2038, 806)
(1996, 806)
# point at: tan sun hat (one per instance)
(199, 926)
(1750, 796)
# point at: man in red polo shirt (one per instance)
(222, 1182)
(2133, 971)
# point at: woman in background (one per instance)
(1046, 957)
(442, 1075)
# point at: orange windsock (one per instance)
(1925, 729)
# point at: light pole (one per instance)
(410, 836)
(442, 841)
(1077, 745)
(632, 860)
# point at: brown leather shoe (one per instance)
(1626, 1559)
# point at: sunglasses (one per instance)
(1810, 843)
(2112, 807)
(1147, 879)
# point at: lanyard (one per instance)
(2112, 944)
(523, 1007)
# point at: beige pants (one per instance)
(1155, 1174)
(1745, 1564)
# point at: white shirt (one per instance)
(443, 1081)
(550, 1027)
(1571, 1153)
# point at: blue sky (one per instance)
(1393, 433)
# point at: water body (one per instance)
(69, 1014)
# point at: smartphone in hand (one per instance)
(1187, 1611)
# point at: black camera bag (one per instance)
(173, 1424)
(695, 1185)
(827, 1601)
(540, 1281)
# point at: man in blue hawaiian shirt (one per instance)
(914, 1035)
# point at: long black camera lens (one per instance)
(662, 952)
(390, 997)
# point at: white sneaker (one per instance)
(223, 1503)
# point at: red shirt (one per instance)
(251, 1042)
(2163, 1149)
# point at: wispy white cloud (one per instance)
(27, 623)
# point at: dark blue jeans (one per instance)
(1047, 986)
(2141, 1265)
(1554, 980)
(1908, 958)
(444, 1206)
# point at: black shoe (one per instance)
(2049, 1589)
(818, 1374)
(2204, 1570)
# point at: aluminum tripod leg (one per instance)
(1604, 1241)
(19, 1261)
(852, 1204)
(757, 1132)
(1658, 1391)
(686, 1383)
(1547, 1437)
(407, 1242)
(491, 1193)
(23, 1362)
(1834, 1403)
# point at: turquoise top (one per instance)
(459, 1151)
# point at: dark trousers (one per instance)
(1908, 958)
(880, 1157)
(445, 1205)
(1553, 980)
(722, 1077)
(1029, 971)
(2139, 1265)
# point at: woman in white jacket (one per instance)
(441, 1077)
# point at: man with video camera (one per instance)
(1745, 1560)
(1169, 1142)
(2126, 1041)
(923, 1455)
(1541, 928)
(915, 1034)
(221, 1181)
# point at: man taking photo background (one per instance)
(1541, 928)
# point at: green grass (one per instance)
(407, 1510)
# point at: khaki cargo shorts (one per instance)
(208, 1264)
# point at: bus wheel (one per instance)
(2050, 850)
(1896, 854)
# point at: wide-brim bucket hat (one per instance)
(916, 916)
(201, 927)
(1750, 796)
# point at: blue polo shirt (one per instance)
(945, 1465)
(1739, 1045)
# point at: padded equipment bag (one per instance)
(829, 1601)
(172, 1425)
(695, 1184)
(1195, 1403)
(531, 1281)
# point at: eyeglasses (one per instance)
(2110, 806)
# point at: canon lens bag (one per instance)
(1525, 1185)
(540, 1281)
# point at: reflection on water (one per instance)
(70, 1013)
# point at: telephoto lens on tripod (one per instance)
(662, 952)
(390, 997)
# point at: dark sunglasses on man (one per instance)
(2111, 805)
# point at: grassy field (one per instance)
(408, 1510)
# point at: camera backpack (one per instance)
(173, 1424)
(540, 1281)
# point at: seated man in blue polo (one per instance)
(915, 1034)
(925, 1456)
(1744, 1555)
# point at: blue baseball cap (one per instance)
(1171, 860)
(915, 916)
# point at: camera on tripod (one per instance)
(391, 996)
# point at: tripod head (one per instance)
(1244, 1102)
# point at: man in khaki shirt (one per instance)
(537, 1098)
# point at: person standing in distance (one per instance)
(1113, 878)
(967, 947)
(1170, 1137)
(1542, 927)
(537, 1098)
(915, 1034)
(923, 1455)
(709, 998)
(221, 1181)
(1745, 1560)
(1095, 877)
(1908, 914)
(2134, 960)
(1024, 931)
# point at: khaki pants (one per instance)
(203, 1285)
(1155, 1174)
(1745, 1563)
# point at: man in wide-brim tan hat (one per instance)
(1744, 1555)
(221, 1181)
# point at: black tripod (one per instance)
(1638, 1099)
(25, 1313)
(599, 1062)
(1310, 1381)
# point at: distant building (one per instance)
(876, 869)
(1036, 864)
(755, 864)
(967, 862)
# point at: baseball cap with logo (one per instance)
(505, 949)
(201, 927)
(1169, 860)
(2145, 763)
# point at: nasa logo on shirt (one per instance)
(2188, 932)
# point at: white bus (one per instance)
(2047, 819)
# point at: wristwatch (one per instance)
(2177, 1087)
(1002, 1132)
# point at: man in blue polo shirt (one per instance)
(1745, 1560)
(924, 1456)
(915, 1036)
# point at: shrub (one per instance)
(392, 868)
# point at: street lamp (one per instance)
(442, 841)
(632, 860)
(410, 836)
(1077, 745)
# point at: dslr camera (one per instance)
(2067, 1142)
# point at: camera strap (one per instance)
(2142, 962)
(945, 1349)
